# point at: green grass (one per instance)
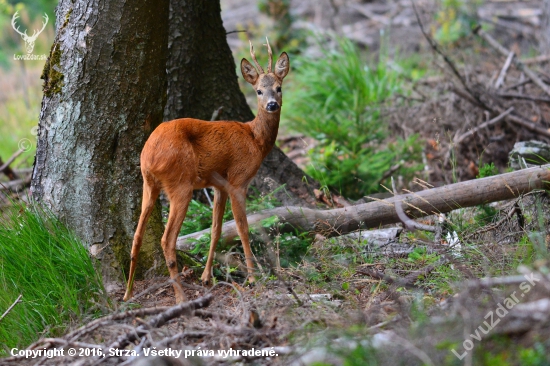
(45, 262)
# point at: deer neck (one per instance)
(265, 128)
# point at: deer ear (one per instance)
(249, 72)
(282, 66)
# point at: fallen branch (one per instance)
(91, 326)
(11, 159)
(409, 223)
(536, 60)
(483, 125)
(526, 316)
(161, 319)
(518, 120)
(8, 171)
(11, 307)
(515, 209)
(524, 122)
(474, 98)
(161, 315)
(524, 96)
(16, 185)
(519, 84)
(446, 58)
(504, 70)
(520, 65)
(374, 214)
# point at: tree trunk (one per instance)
(375, 214)
(104, 92)
(202, 78)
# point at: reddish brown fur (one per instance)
(187, 154)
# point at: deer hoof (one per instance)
(180, 299)
(127, 296)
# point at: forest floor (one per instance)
(425, 301)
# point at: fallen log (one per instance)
(374, 214)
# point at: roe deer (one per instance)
(187, 154)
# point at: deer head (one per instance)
(267, 85)
(29, 40)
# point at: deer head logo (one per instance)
(29, 40)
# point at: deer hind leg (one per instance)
(220, 200)
(179, 202)
(151, 191)
(238, 206)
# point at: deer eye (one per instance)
(278, 89)
(259, 92)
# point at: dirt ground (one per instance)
(296, 316)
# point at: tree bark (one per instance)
(375, 214)
(202, 78)
(104, 92)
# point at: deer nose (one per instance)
(272, 106)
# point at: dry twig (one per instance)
(520, 65)
(505, 67)
(536, 59)
(161, 319)
(498, 118)
(11, 307)
(409, 224)
(11, 159)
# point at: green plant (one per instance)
(453, 21)
(292, 248)
(535, 356)
(44, 262)
(259, 202)
(335, 99)
(421, 255)
(524, 253)
(486, 213)
(199, 217)
(487, 170)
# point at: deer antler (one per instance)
(254, 58)
(16, 28)
(270, 56)
(24, 34)
(34, 34)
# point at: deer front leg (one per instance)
(238, 206)
(220, 200)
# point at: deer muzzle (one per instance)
(272, 107)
